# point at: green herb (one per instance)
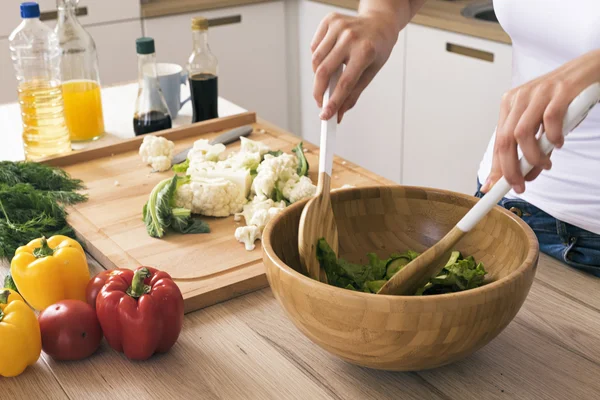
(40, 176)
(302, 162)
(182, 167)
(32, 200)
(458, 274)
(9, 283)
(160, 213)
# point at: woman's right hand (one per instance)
(363, 43)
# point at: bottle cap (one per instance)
(30, 10)
(199, 24)
(144, 45)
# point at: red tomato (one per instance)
(96, 283)
(70, 330)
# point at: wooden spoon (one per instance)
(317, 220)
(418, 272)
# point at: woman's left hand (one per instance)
(540, 103)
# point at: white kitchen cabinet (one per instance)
(370, 134)
(115, 44)
(251, 54)
(451, 105)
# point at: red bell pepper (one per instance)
(141, 312)
(97, 282)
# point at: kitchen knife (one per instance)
(225, 138)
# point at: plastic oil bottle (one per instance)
(79, 75)
(36, 57)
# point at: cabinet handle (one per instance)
(232, 19)
(52, 15)
(469, 52)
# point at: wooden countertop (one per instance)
(247, 349)
(439, 14)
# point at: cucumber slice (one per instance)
(454, 257)
(394, 265)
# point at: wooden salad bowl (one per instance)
(403, 333)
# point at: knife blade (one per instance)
(225, 138)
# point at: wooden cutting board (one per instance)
(209, 268)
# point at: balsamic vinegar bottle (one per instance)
(202, 69)
(151, 111)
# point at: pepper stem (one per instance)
(3, 300)
(138, 288)
(44, 250)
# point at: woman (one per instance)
(556, 54)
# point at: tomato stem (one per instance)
(138, 288)
(44, 250)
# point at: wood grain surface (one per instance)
(316, 222)
(403, 333)
(247, 349)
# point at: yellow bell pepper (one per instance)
(20, 338)
(48, 271)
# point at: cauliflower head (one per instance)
(157, 152)
(213, 197)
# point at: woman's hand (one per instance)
(538, 104)
(363, 43)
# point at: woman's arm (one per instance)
(542, 102)
(363, 43)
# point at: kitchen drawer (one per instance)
(249, 43)
(97, 11)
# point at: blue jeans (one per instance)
(574, 246)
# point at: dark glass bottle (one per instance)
(151, 111)
(202, 69)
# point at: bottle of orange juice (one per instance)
(80, 75)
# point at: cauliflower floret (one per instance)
(157, 152)
(216, 197)
(257, 214)
(248, 235)
(272, 170)
(297, 189)
(260, 211)
(204, 151)
(252, 146)
(242, 160)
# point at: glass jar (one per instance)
(80, 75)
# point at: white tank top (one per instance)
(545, 35)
